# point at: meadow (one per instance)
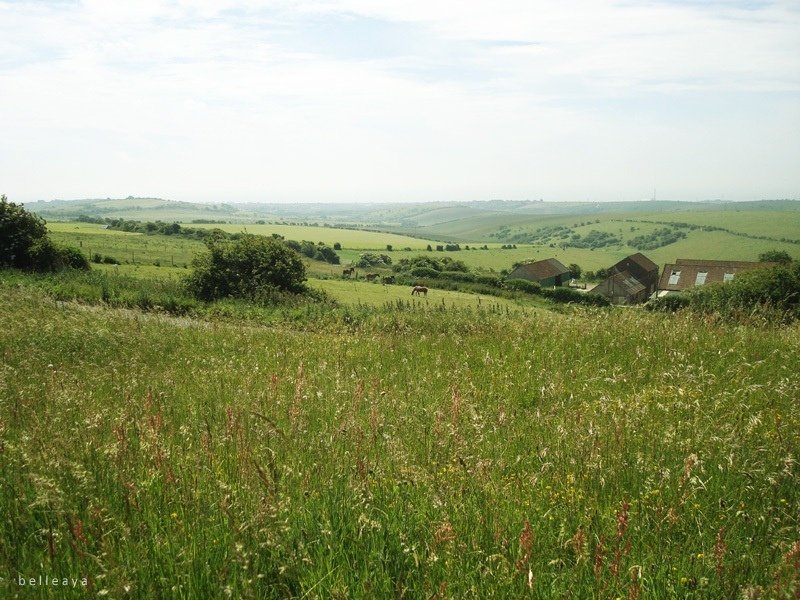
(419, 451)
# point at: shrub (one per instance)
(369, 259)
(562, 294)
(669, 303)
(424, 272)
(250, 267)
(523, 285)
(778, 256)
(20, 231)
(44, 255)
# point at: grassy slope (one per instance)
(351, 238)
(400, 453)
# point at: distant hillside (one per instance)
(145, 209)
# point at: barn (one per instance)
(687, 273)
(631, 281)
(549, 272)
(622, 288)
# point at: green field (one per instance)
(133, 248)
(413, 452)
(376, 294)
(350, 238)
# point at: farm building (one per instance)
(547, 273)
(622, 288)
(630, 281)
(688, 273)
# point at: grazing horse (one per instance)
(348, 272)
(419, 289)
(372, 276)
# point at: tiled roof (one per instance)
(687, 273)
(543, 269)
(644, 262)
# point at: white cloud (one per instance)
(366, 100)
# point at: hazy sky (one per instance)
(379, 100)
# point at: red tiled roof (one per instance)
(687, 273)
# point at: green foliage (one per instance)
(21, 236)
(251, 267)
(668, 303)
(444, 263)
(24, 243)
(658, 238)
(778, 256)
(776, 289)
(575, 271)
(426, 272)
(593, 240)
(370, 259)
(566, 295)
(523, 285)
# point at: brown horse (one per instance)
(348, 272)
(419, 289)
(372, 276)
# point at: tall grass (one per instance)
(397, 453)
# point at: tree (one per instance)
(575, 271)
(778, 256)
(24, 243)
(250, 267)
(19, 232)
(337, 246)
(388, 247)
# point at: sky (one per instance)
(387, 101)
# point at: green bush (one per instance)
(24, 243)
(427, 272)
(563, 294)
(253, 267)
(523, 285)
(776, 289)
(669, 303)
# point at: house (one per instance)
(631, 281)
(687, 273)
(547, 273)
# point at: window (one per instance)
(674, 277)
(701, 278)
(727, 277)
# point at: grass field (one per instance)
(376, 294)
(350, 238)
(413, 452)
(126, 247)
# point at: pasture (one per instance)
(377, 294)
(350, 238)
(413, 452)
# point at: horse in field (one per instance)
(348, 272)
(419, 289)
(372, 276)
